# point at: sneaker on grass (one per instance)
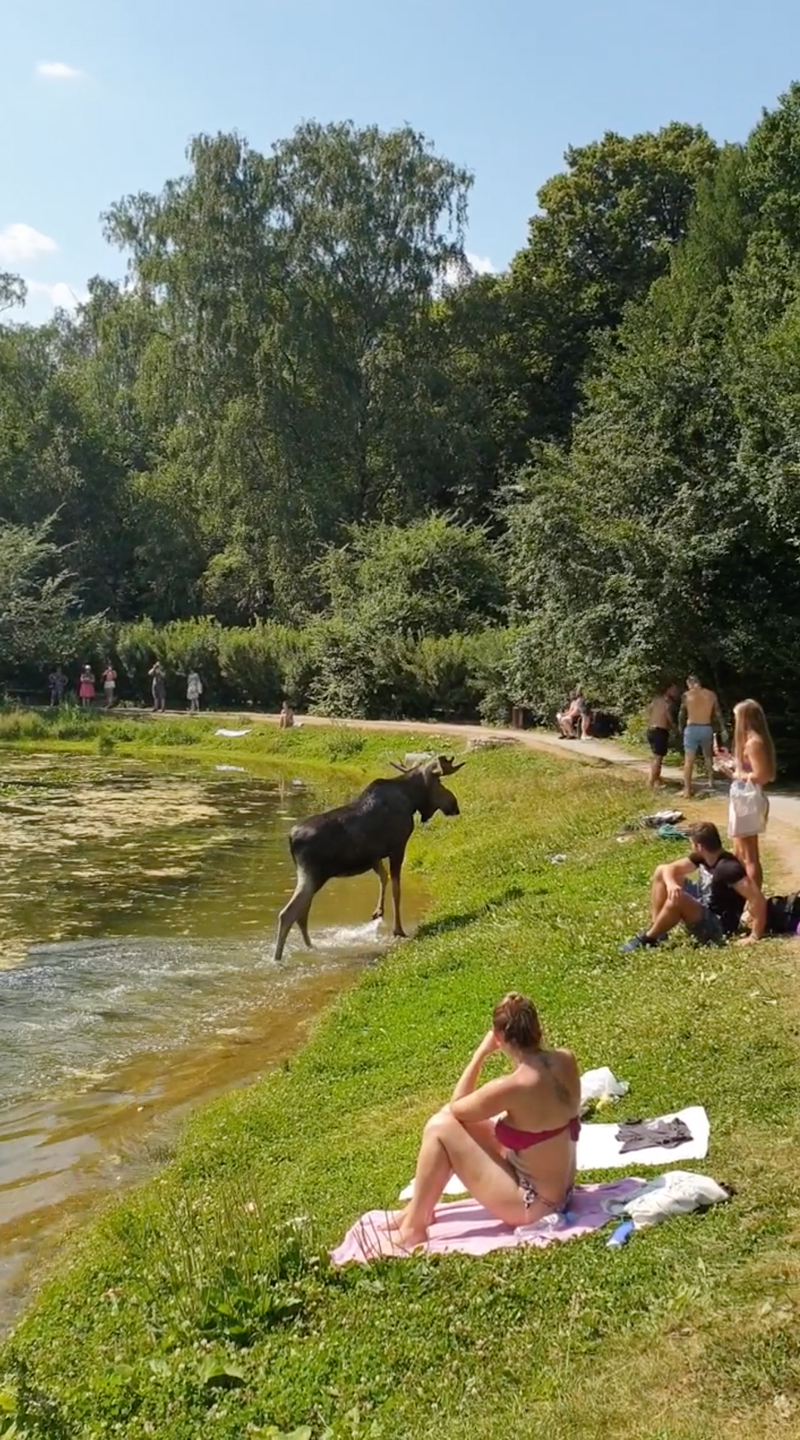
(641, 942)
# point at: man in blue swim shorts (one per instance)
(699, 716)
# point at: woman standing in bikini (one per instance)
(520, 1167)
(753, 760)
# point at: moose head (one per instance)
(426, 778)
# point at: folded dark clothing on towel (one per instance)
(645, 1134)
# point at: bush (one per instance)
(255, 665)
(336, 666)
(387, 676)
(266, 662)
(181, 646)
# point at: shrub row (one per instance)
(330, 666)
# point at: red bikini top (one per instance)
(514, 1139)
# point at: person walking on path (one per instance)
(109, 685)
(86, 687)
(57, 684)
(660, 718)
(699, 714)
(194, 689)
(159, 686)
(750, 768)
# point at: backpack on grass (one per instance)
(783, 914)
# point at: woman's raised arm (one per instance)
(469, 1078)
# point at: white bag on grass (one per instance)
(602, 1087)
(678, 1192)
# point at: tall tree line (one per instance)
(302, 407)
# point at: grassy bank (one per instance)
(203, 1304)
(71, 730)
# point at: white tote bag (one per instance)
(747, 809)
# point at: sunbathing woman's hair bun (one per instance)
(516, 1022)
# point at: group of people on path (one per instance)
(86, 689)
(58, 684)
(728, 888)
(699, 720)
(750, 765)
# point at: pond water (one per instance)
(138, 907)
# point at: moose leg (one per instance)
(395, 866)
(296, 910)
(383, 875)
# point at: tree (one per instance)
(649, 547)
(37, 596)
(605, 232)
(431, 577)
(278, 280)
(13, 291)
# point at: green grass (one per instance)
(90, 732)
(203, 1304)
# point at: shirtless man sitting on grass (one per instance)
(710, 908)
(698, 715)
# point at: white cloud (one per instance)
(481, 264)
(57, 70)
(22, 242)
(456, 275)
(59, 296)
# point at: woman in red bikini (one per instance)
(520, 1167)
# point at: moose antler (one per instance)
(398, 765)
(446, 765)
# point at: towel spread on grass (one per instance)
(599, 1148)
(465, 1227)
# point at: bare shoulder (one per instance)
(565, 1061)
(525, 1078)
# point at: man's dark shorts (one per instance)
(708, 930)
(658, 740)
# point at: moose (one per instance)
(362, 836)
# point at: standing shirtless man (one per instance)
(659, 721)
(699, 714)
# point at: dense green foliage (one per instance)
(193, 1307)
(302, 409)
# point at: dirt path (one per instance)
(781, 845)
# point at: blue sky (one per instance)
(99, 97)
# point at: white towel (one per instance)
(232, 734)
(599, 1149)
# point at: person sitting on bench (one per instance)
(710, 907)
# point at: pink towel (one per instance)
(464, 1226)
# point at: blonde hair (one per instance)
(749, 719)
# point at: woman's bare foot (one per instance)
(409, 1237)
(394, 1224)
